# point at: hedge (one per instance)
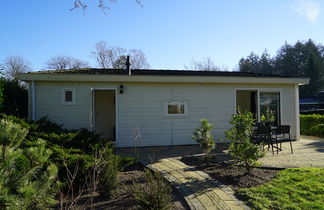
(312, 125)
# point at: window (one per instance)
(68, 96)
(270, 107)
(176, 108)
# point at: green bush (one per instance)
(14, 98)
(317, 130)
(108, 180)
(71, 149)
(28, 178)
(112, 164)
(307, 122)
(203, 136)
(154, 193)
(241, 147)
(46, 125)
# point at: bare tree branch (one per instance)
(61, 62)
(138, 59)
(115, 57)
(79, 64)
(207, 64)
(13, 65)
(102, 4)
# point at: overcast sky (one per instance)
(170, 32)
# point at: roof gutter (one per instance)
(160, 79)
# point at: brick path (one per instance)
(199, 190)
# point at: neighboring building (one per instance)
(312, 105)
(159, 107)
(309, 104)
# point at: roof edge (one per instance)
(161, 78)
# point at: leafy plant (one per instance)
(241, 147)
(46, 125)
(203, 136)
(317, 130)
(108, 180)
(14, 98)
(28, 179)
(67, 154)
(307, 122)
(154, 193)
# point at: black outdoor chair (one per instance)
(259, 124)
(282, 134)
(263, 135)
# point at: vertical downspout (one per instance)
(297, 112)
(33, 100)
(91, 120)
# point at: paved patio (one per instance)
(308, 152)
(203, 192)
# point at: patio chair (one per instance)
(263, 135)
(258, 124)
(282, 134)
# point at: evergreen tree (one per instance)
(303, 59)
(203, 136)
(28, 180)
(14, 98)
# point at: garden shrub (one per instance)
(71, 149)
(30, 126)
(241, 148)
(307, 122)
(108, 180)
(46, 125)
(112, 164)
(203, 136)
(154, 193)
(28, 178)
(14, 98)
(317, 130)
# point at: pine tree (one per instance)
(28, 180)
(203, 136)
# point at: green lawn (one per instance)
(301, 188)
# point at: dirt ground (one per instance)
(122, 199)
(234, 176)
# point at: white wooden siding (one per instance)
(141, 108)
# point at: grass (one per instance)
(301, 188)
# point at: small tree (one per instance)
(28, 179)
(154, 193)
(108, 174)
(241, 147)
(203, 136)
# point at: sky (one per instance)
(170, 32)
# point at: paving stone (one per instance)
(193, 184)
(197, 187)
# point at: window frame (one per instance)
(258, 90)
(278, 106)
(166, 106)
(64, 102)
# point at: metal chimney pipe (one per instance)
(128, 65)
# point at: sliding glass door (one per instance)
(263, 104)
(270, 107)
